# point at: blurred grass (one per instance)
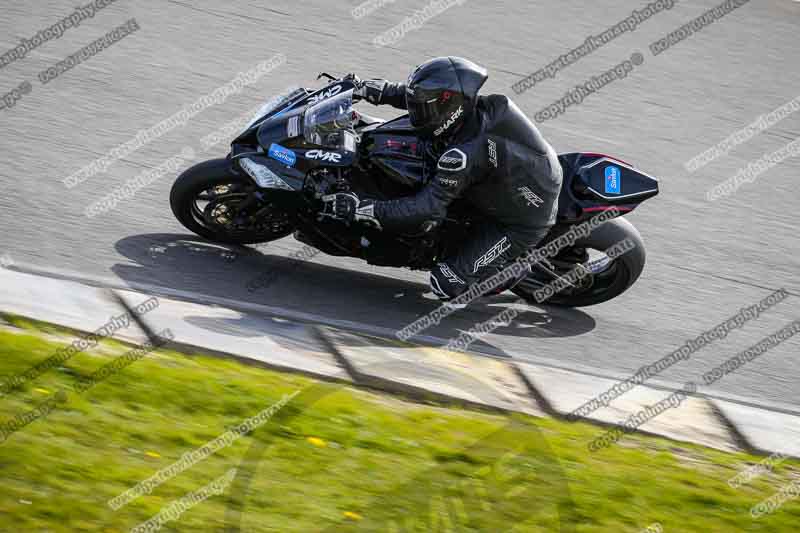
(337, 458)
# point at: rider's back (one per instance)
(520, 176)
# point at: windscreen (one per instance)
(329, 123)
(287, 96)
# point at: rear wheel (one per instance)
(606, 279)
(213, 202)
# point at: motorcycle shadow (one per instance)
(317, 287)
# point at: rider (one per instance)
(489, 153)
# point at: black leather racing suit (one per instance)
(500, 163)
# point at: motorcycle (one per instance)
(307, 144)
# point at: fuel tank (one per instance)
(395, 149)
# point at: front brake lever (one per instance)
(326, 75)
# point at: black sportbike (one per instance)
(310, 143)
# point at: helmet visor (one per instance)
(423, 107)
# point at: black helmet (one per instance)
(441, 93)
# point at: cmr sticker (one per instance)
(284, 155)
(613, 180)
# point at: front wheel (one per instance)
(607, 278)
(212, 201)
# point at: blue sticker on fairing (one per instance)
(613, 180)
(284, 155)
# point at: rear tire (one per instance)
(216, 177)
(620, 274)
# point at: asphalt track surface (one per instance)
(705, 259)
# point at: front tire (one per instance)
(617, 277)
(209, 199)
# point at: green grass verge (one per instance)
(336, 458)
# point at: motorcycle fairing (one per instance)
(594, 182)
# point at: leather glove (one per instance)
(346, 206)
(370, 90)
